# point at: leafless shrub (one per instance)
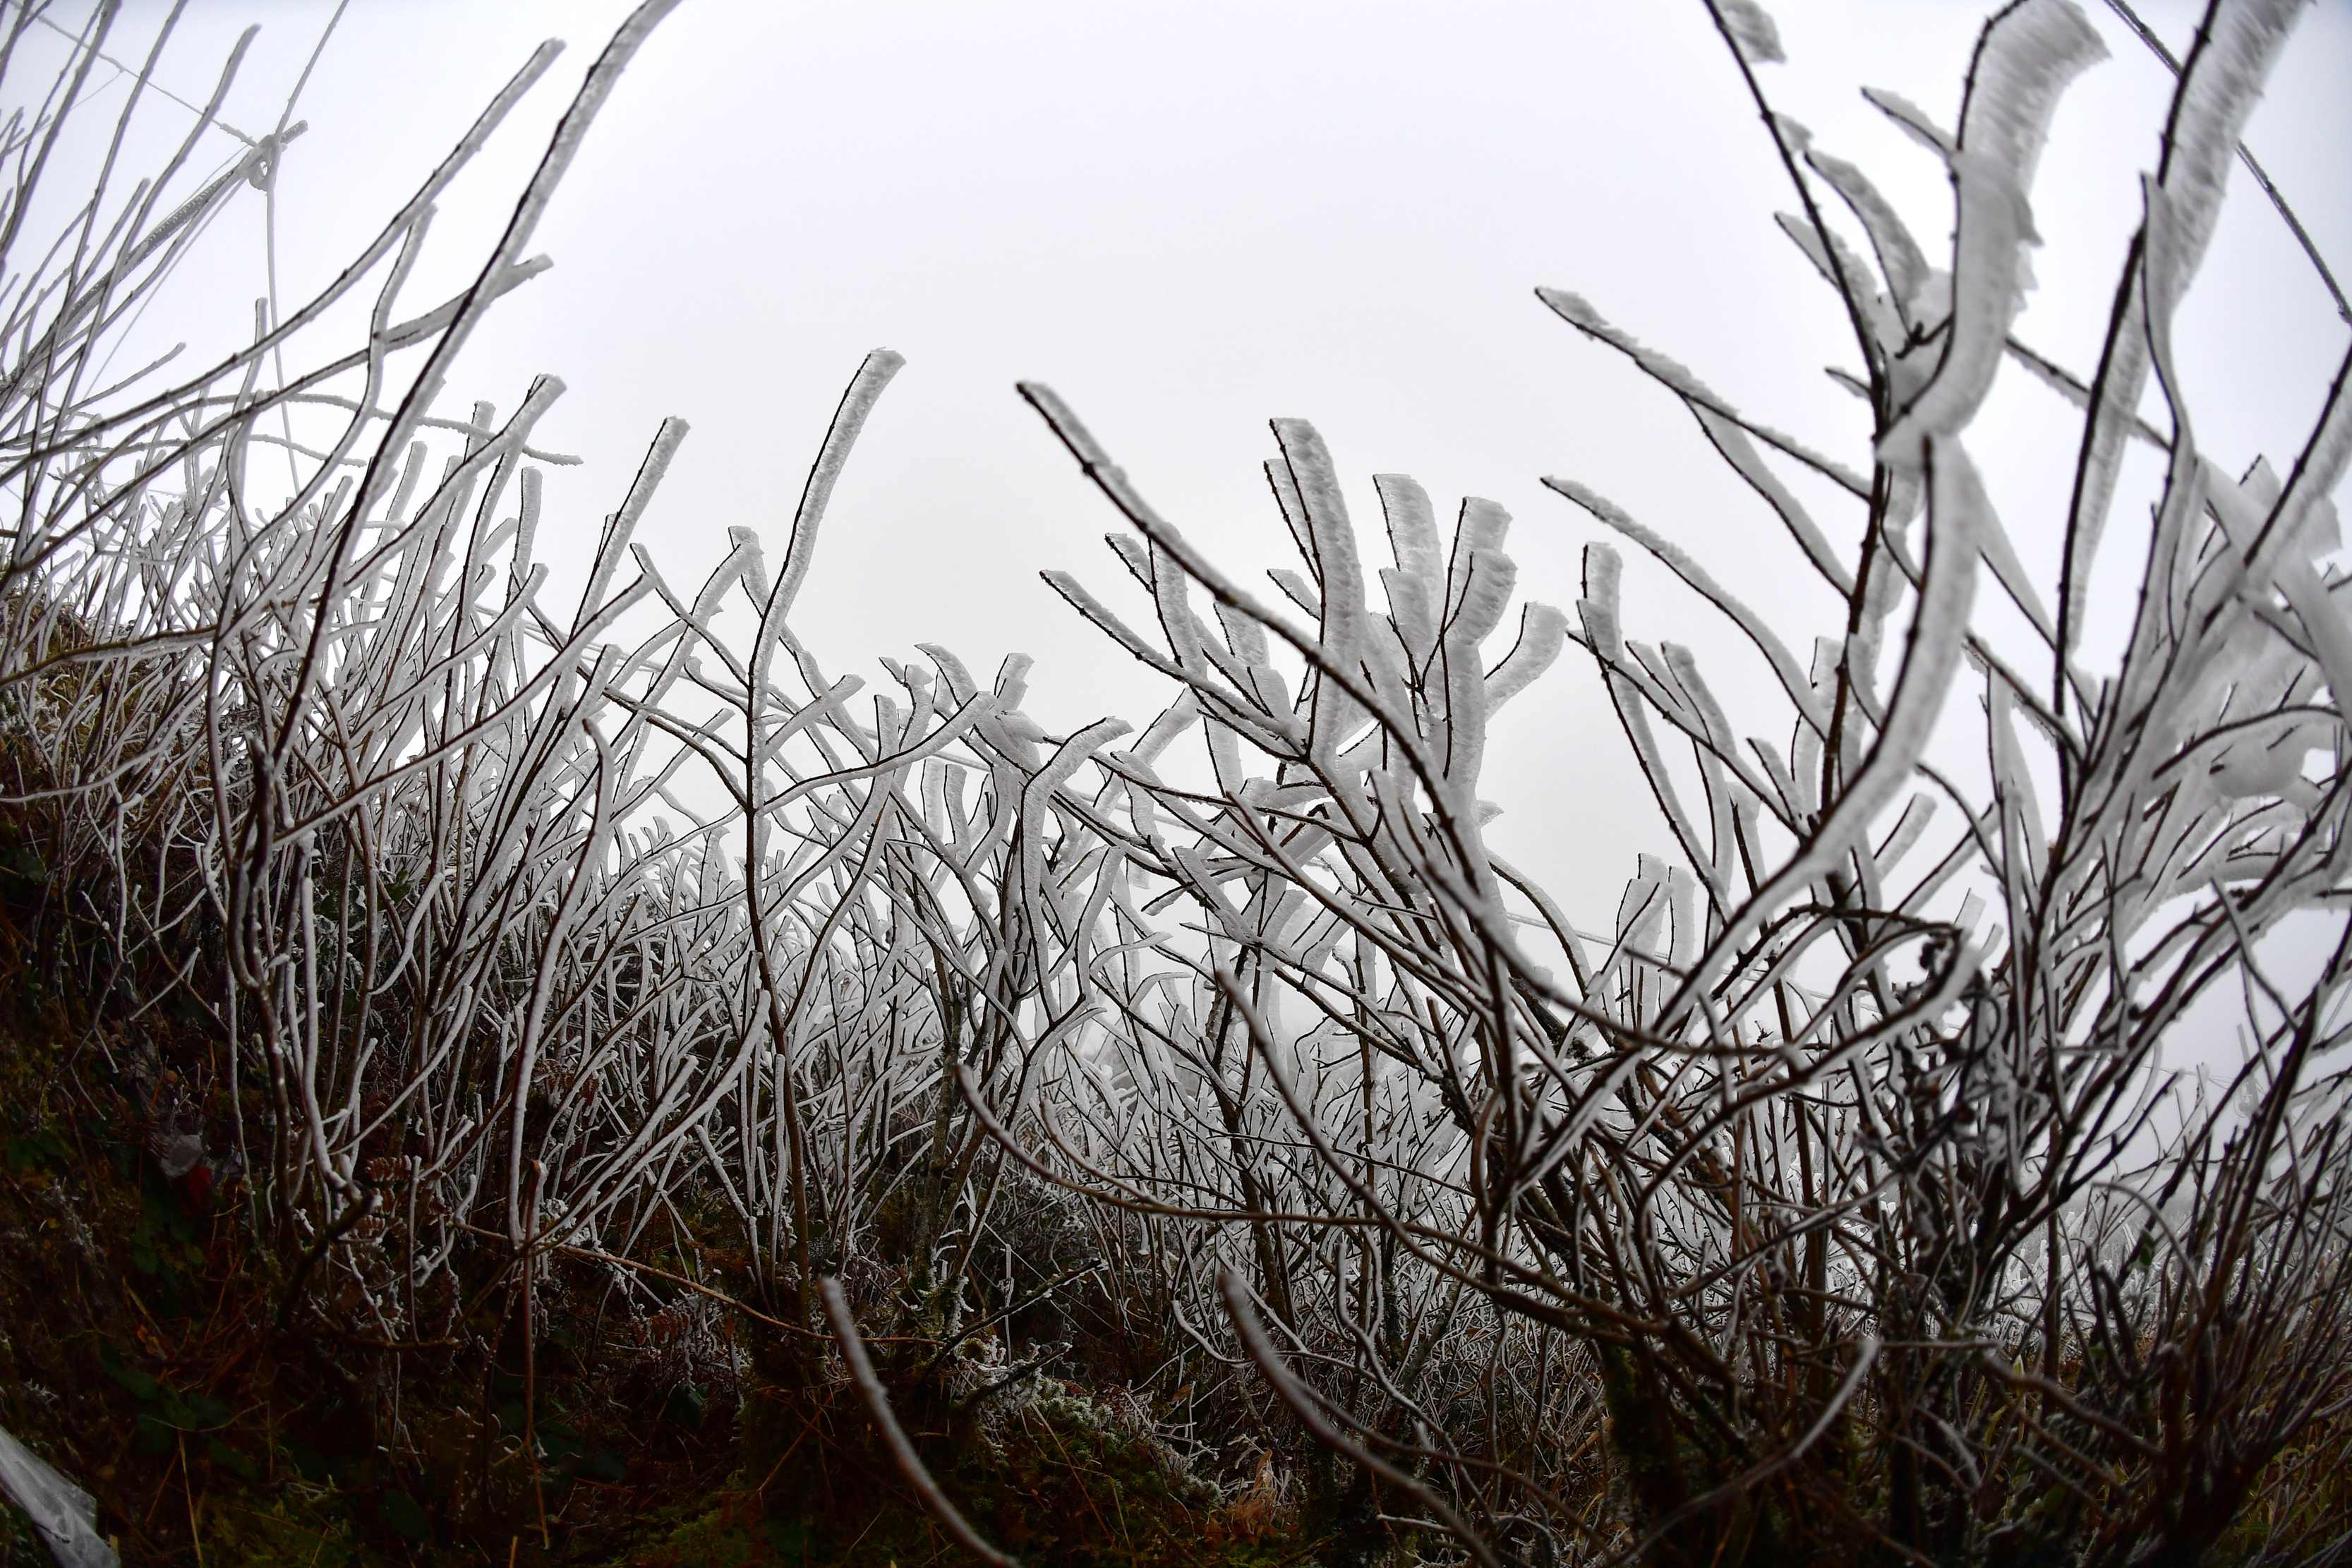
(1836, 1199)
(1841, 1191)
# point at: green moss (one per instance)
(296, 1526)
(726, 1531)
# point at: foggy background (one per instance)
(1188, 218)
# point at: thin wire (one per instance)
(122, 70)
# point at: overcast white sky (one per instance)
(1189, 217)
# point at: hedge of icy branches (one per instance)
(1838, 1195)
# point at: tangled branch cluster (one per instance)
(1837, 1198)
